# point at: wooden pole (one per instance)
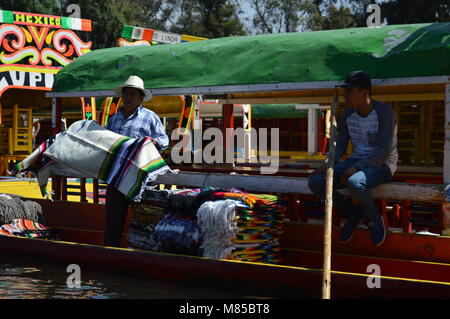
(56, 128)
(326, 274)
(446, 165)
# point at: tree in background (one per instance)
(274, 16)
(328, 15)
(415, 11)
(108, 17)
(35, 6)
(156, 14)
(208, 18)
(187, 19)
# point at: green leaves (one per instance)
(208, 18)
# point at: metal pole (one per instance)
(326, 275)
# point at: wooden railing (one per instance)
(397, 202)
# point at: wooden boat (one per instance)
(412, 265)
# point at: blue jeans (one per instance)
(359, 186)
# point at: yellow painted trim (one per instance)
(191, 38)
(14, 67)
(236, 261)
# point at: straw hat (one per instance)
(134, 82)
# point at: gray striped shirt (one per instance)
(374, 137)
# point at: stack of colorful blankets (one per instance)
(141, 233)
(166, 221)
(28, 228)
(209, 222)
(253, 223)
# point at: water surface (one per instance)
(31, 277)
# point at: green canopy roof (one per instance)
(263, 62)
(271, 111)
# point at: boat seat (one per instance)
(78, 188)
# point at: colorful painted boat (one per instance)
(412, 266)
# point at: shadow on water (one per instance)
(30, 277)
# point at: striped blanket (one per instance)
(42, 166)
(27, 228)
(86, 149)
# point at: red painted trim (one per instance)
(39, 88)
(227, 123)
(397, 244)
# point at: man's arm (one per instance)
(110, 122)
(343, 136)
(158, 133)
(341, 143)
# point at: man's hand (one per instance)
(347, 174)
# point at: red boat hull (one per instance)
(412, 274)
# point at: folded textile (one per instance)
(126, 163)
(27, 228)
(177, 234)
(142, 236)
(216, 220)
(247, 230)
(42, 166)
(14, 208)
(187, 203)
(229, 224)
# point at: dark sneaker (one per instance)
(349, 228)
(377, 230)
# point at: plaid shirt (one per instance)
(142, 122)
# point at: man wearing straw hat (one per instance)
(372, 127)
(135, 121)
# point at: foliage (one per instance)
(274, 16)
(208, 18)
(35, 6)
(415, 11)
